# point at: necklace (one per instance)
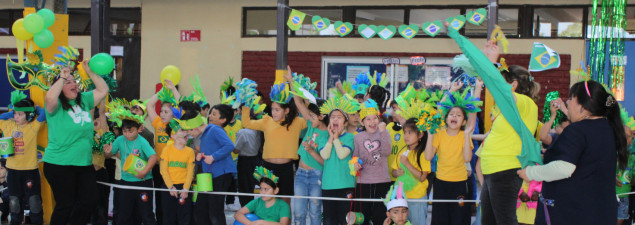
(133, 143)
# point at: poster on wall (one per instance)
(353, 71)
(438, 76)
(401, 76)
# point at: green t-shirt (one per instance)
(139, 147)
(71, 134)
(625, 177)
(278, 210)
(336, 174)
(318, 136)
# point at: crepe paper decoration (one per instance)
(367, 31)
(462, 100)
(607, 39)
(343, 28)
(280, 93)
(386, 32)
(430, 120)
(477, 17)
(543, 58)
(261, 172)
(105, 139)
(296, 18)
(320, 23)
(456, 22)
(547, 113)
(432, 28)
(499, 36)
(408, 31)
(351, 165)
(500, 90)
(408, 179)
(245, 92)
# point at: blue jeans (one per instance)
(308, 183)
(418, 211)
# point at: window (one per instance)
(7, 17)
(557, 22)
(260, 22)
(308, 29)
(421, 16)
(380, 17)
(507, 20)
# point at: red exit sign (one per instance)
(190, 35)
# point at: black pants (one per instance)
(135, 204)
(285, 175)
(499, 196)
(210, 209)
(73, 187)
(246, 181)
(24, 186)
(158, 182)
(177, 211)
(373, 211)
(233, 187)
(451, 213)
(334, 212)
(100, 214)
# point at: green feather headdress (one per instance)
(261, 172)
(175, 125)
(198, 91)
(119, 114)
(166, 95)
(348, 88)
(406, 95)
(226, 99)
(257, 108)
(306, 84)
(280, 93)
(228, 83)
(463, 100)
(381, 80)
(341, 104)
(430, 120)
(18, 96)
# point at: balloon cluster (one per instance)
(35, 26)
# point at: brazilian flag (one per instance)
(295, 19)
(543, 58)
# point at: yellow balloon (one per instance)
(172, 73)
(19, 31)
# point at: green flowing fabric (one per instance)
(501, 91)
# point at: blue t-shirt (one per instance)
(139, 147)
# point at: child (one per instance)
(131, 143)
(397, 212)
(177, 169)
(24, 176)
(395, 129)
(215, 158)
(248, 144)
(547, 136)
(337, 180)
(269, 210)
(453, 147)
(100, 214)
(372, 146)
(282, 132)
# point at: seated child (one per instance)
(270, 210)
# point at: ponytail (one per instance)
(526, 84)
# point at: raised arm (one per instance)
(430, 150)
(299, 102)
(55, 90)
(151, 106)
(544, 135)
(101, 88)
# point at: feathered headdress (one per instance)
(18, 96)
(369, 107)
(192, 123)
(396, 197)
(198, 92)
(342, 104)
(348, 88)
(245, 93)
(378, 79)
(430, 120)
(362, 83)
(280, 93)
(306, 84)
(415, 108)
(462, 100)
(461, 62)
(166, 95)
(261, 172)
(227, 99)
(228, 83)
(256, 108)
(406, 95)
(175, 125)
(119, 114)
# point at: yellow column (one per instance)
(280, 76)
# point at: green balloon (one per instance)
(48, 16)
(102, 63)
(33, 23)
(43, 39)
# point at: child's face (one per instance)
(180, 137)
(455, 118)
(19, 117)
(315, 116)
(371, 123)
(130, 133)
(138, 111)
(277, 112)
(395, 108)
(353, 119)
(205, 112)
(337, 120)
(398, 215)
(215, 119)
(166, 113)
(410, 136)
(267, 190)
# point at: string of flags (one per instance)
(408, 31)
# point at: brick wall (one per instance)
(260, 66)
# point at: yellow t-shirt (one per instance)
(420, 190)
(24, 143)
(232, 130)
(280, 142)
(397, 144)
(161, 138)
(503, 144)
(450, 163)
(177, 166)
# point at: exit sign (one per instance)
(190, 35)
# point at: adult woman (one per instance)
(68, 159)
(579, 168)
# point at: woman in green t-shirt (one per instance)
(68, 159)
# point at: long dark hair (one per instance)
(603, 104)
(293, 113)
(421, 145)
(66, 105)
(315, 108)
(380, 95)
(526, 84)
